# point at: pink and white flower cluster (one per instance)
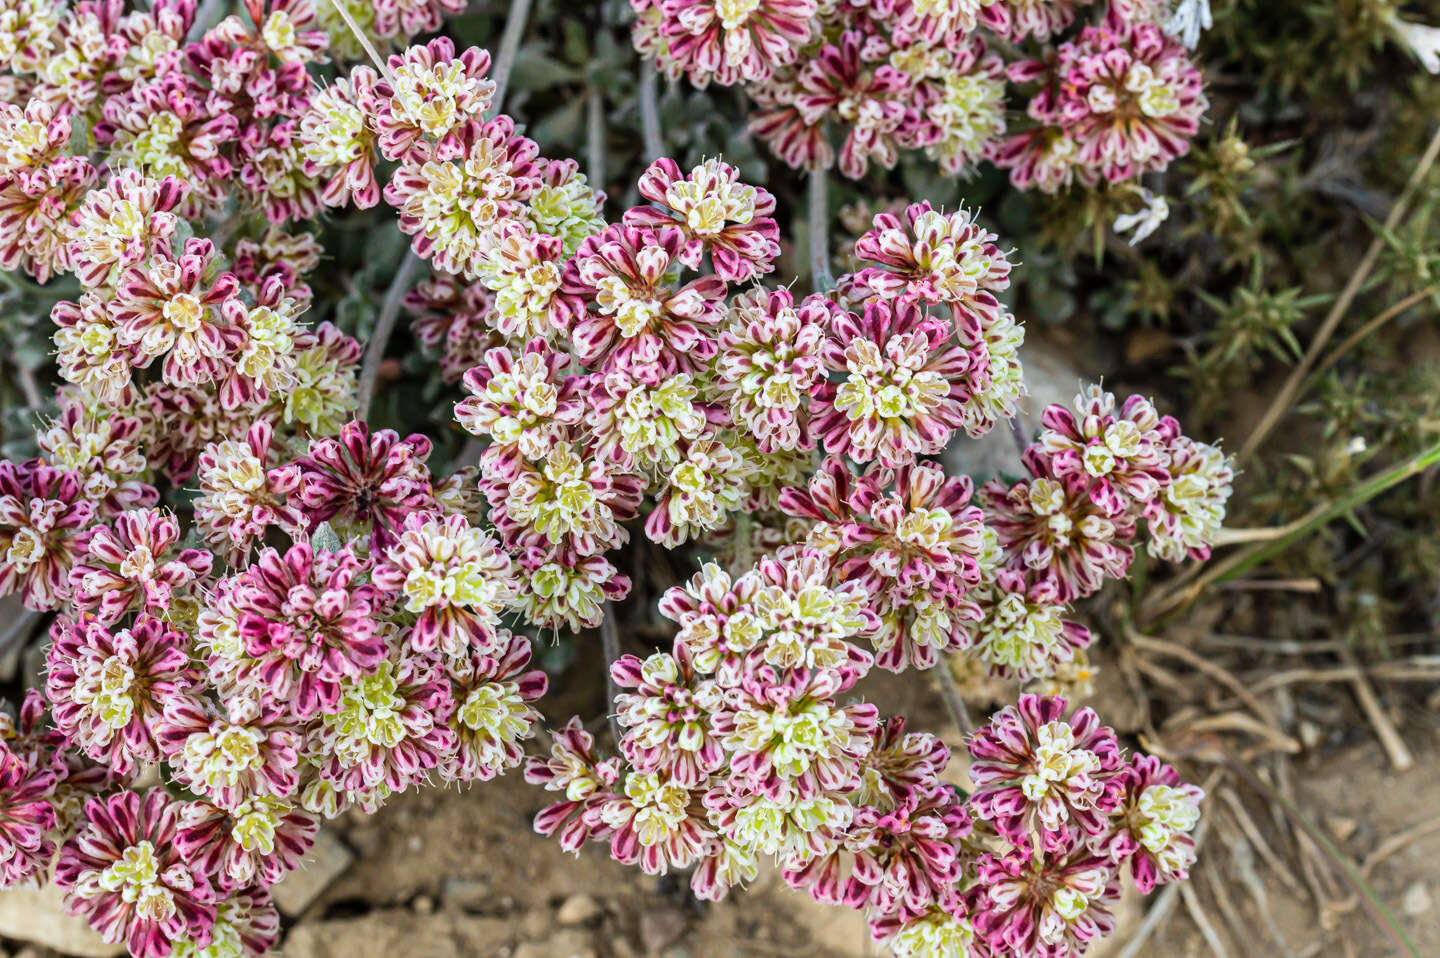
(315, 621)
(1118, 99)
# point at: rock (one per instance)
(567, 944)
(326, 861)
(423, 905)
(536, 923)
(469, 894)
(38, 916)
(660, 927)
(1341, 826)
(578, 910)
(1050, 377)
(399, 933)
(1417, 900)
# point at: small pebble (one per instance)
(578, 910)
(1417, 900)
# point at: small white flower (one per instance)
(1146, 220)
(1423, 41)
(1188, 20)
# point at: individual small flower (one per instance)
(718, 622)
(257, 842)
(667, 717)
(455, 578)
(732, 40)
(337, 143)
(1152, 826)
(524, 404)
(1049, 906)
(371, 480)
(451, 206)
(305, 624)
(1185, 518)
(27, 816)
(494, 711)
(109, 690)
(1145, 220)
(430, 99)
(1036, 771)
(405, 18)
(120, 223)
(389, 729)
(128, 564)
(571, 591)
(1040, 19)
(716, 213)
(30, 136)
(124, 872)
(699, 493)
(933, 257)
(572, 501)
(1051, 529)
(43, 515)
(903, 393)
(771, 363)
(240, 496)
(1117, 456)
(230, 759)
(635, 316)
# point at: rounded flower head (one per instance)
(525, 270)
(37, 210)
(933, 257)
(494, 711)
(716, 213)
(129, 564)
(570, 500)
(246, 926)
(1185, 517)
(523, 404)
(371, 480)
(1036, 771)
(732, 40)
(1050, 529)
(450, 206)
(933, 934)
(126, 874)
(1152, 826)
(565, 206)
(1051, 906)
(566, 590)
(304, 623)
(255, 843)
(119, 224)
(30, 136)
(667, 717)
(231, 759)
(771, 363)
(904, 390)
(43, 513)
(656, 823)
(109, 691)
(700, 492)
(634, 314)
(337, 143)
(104, 449)
(455, 578)
(240, 496)
(430, 99)
(717, 619)
(1022, 636)
(1119, 456)
(27, 815)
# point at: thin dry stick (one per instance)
(1395, 748)
(650, 111)
(380, 335)
(510, 38)
(1197, 915)
(595, 137)
(950, 693)
(610, 647)
(1396, 843)
(1281, 403)
(1225, 678)
(1360, 334)
(819, 216)
(28, 386)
